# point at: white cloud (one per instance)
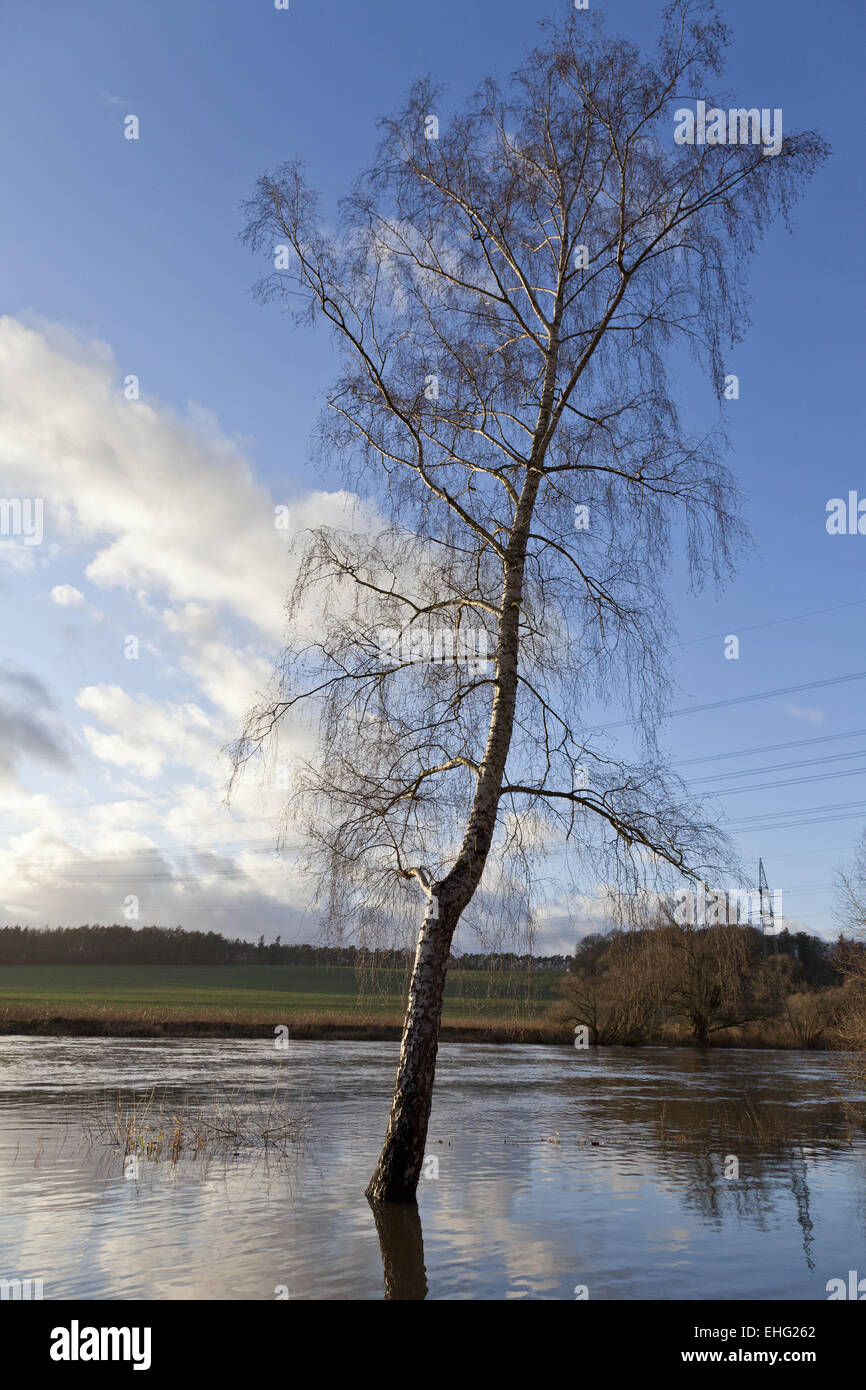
(168, 514)
(171, 505)
(66, 595)
(144, 734)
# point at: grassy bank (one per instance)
(251, 1000)
(314, 1002)
(334, 1027)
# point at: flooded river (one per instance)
(551, 1174)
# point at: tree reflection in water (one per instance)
(401, 1241)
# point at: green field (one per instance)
(257, 993)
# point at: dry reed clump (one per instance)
(743, 1120)
(153, 1127)
(767, 1126)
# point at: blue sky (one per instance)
(133, 245)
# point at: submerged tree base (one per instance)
(401, 1241)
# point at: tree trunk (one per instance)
(700, 1030)
(401, 1242)
(399, 1166)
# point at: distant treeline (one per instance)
(672, 980)
(812, 962)
(125, 945)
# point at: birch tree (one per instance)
(506, 285)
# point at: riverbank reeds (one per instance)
(154, 1126)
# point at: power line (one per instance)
(801, 824)
(774, 622)
(169, 877)
(826, 849)
(804, 824)
(772, 815)
(769, 748)
(743, 699)
(115, 857)
(95, 805)
(786, 782)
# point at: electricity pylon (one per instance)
(770, 924)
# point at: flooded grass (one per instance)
(154, 1127)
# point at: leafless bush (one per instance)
(155, 1127)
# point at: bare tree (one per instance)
(505, 286)
(609, 990)
(702, 975)
(851, 892)
(850, 957)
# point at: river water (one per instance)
(612, 1174)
